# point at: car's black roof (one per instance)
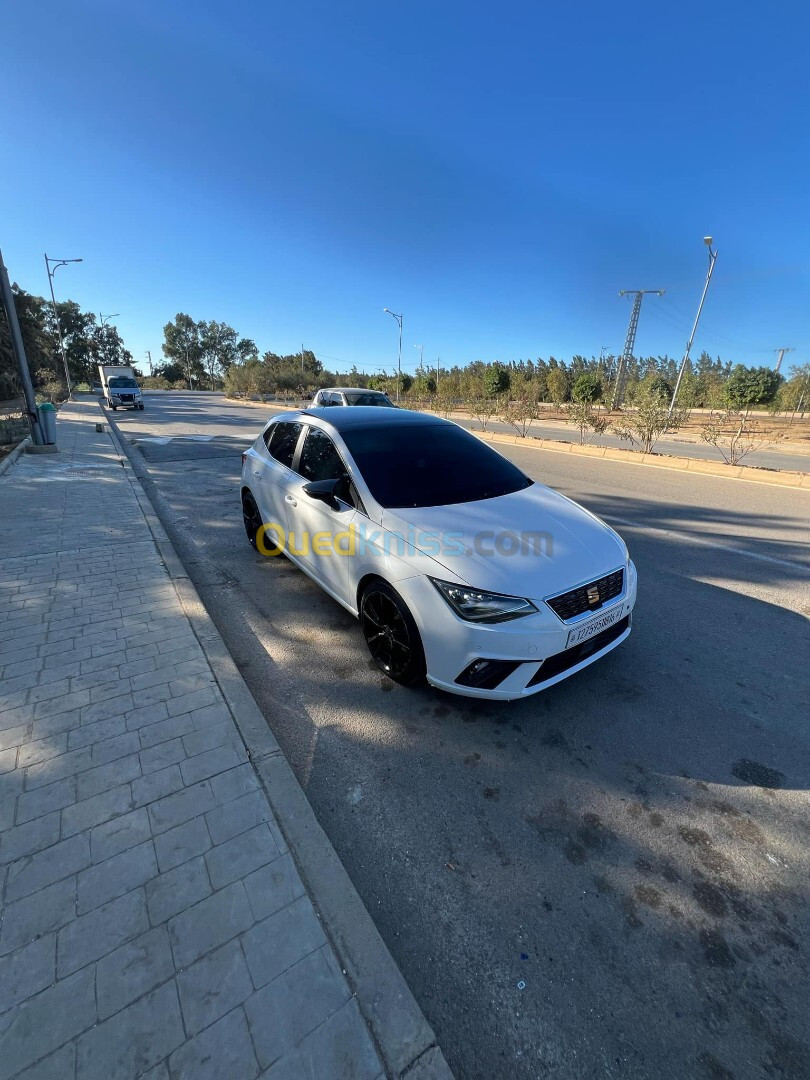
(360, 416)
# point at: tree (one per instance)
(746, 387)
(496, 380)
(587, 388)
(557, 381)
(182, 345)
(520, 412)
(650, 419)
(735, 436)
(218, 344)
(581, 414)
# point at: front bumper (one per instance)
(452, 644)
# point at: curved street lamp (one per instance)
(708, 241)
(399, 357)
(51, 271)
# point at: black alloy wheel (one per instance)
(252, 518)
(391, 634)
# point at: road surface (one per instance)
(607, 880)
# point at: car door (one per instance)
(275, 476)
(320, 536)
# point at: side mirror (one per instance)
(324, 491)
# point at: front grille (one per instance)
(570, 604)
(555, 665)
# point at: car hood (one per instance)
(531, 543)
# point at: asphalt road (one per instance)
(607, 880)
(767, 458)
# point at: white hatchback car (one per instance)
(351, 395)
(461, 569)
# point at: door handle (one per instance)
(257, 472)
(291, 499)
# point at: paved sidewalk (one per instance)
(153, 921)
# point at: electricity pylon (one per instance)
(629, 341)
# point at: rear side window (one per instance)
(283, 441)
(319, 457)
(336, 399)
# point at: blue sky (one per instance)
(495, 172)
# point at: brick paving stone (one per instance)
(90, 936)
(46, 867)
(239, 856)
(341, 1048)
(181, 844)
(287, 1009)
(282, 940)
(177, 889)
(43, 1023)
(213, 986)
(50, 909)
(132, 970)
(210, 923)
(126, 831)
(133, 1040)
(26, 971)
(223, 1050)
(273, 887)
(118, 875)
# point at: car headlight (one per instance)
(477, 606)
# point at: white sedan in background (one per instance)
(461, 569)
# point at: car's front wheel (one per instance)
(391, 634)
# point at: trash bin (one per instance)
(47, 422)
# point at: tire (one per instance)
(391, 634)
(252, 518)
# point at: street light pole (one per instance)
(18, 348)
(399, 356)
(51, 271)
(421, 349)
(707, 240)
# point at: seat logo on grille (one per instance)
(593, 595)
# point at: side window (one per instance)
(283, 441)
(268, 435)
(319, 457)
(336, 399)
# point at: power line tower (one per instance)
(781, 354)
(629, 342)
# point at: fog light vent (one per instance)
(487, 674)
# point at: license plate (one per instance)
(595, 626)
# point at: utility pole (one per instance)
(708, 241)
(149, 355)
(18, 349)
(781, 354)
(438, 360)
(302, 361)
(629, 341)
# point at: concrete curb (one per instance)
(405, 1040)
(754, 475)
(9, 459)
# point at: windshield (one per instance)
(123, 380)
(430, 465)
(370, 399)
